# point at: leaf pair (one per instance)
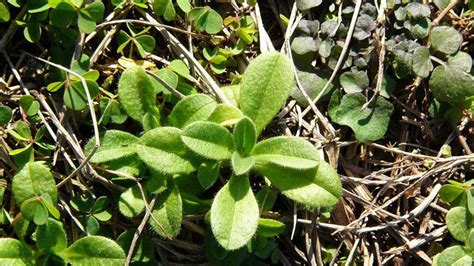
(65, 12)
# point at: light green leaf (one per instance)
(33, 210)
(131, 202)
(368, 124)
(245, 136)
(4, 12)
(265, 87)
(162, 150)
(286, 152)
(15, 253)
(445, 39)
(197, 107)
(209, 140)
(462, 60)
(115, 145)
(354, 81)
(454, 256)
(5, 114)
(29, 105)
(459, 223)
(234, 214)
(184, 5)
(75, 97)
(225, 115)
(94, 250)
(422, 65)
(208, 173)
(269, 227)
(241, 165)
(307, 4)
(167, 75)
(180, 68)
(206, 19)
(51, 237)
(33, 180)
(451, 84)
(313, 188)
(136, 93)
(85, 23)
(449, 193)
(168, 211)
(164, 8)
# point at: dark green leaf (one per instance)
(451, 84)
(445, 39)
(40, 181)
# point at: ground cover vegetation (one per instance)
(236, 132)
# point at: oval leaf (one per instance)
(131, 202)
(94, 250)
(34, 179)
(265, 86)
(190, 109)
(168, 211)
(209, 140)
(13, 252)
(234, 214)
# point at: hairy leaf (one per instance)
(265, 87)
(168, 211)
(286, 152)
(245, 136)
(269, 227)
(136, 93)
(51, 237)
(94, 250)
(131, 202)
(451, 84)
(225, 115)
(313, 188)
(422, 65)
(234, 214)
(197, 107)
(241, 165)
(34, 179)
(162, 150)
(445, 39)
(15, 253)
(455, 255)
(209, 140)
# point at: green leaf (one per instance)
(29, 105)
(51, 237)
(167, 75)
(165, 143)
(85, 23)
(32, 32)
(95, 11)
(62, 15)
(115, 145)
(241, 165)
(4, 12)
(307, 4)
(15, 253)
(131, 202)
(180, 68)
(266, 197)
(369, 124)
(136, 93)
(144, 249)
(354, 81)
(265, 87)
(313, 188)
(75, 96)
(422, 65)
(234, 214)
(225, 115)
(206, 19)
(269, 227)
(146, 42)
(184, 5)
(286, 152)
(312, 84)
(208, 173)
(209, 140)
(5, 114)
(164, 8)
(459, 223)
(94, 250)
(33, 210)
(33, 180)
(197, 107)
(245, 136)
(305, 44)
(448, 193)
(445, 39)
(462, 60)
(168, 211)
(455, 255)
(451, 84)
